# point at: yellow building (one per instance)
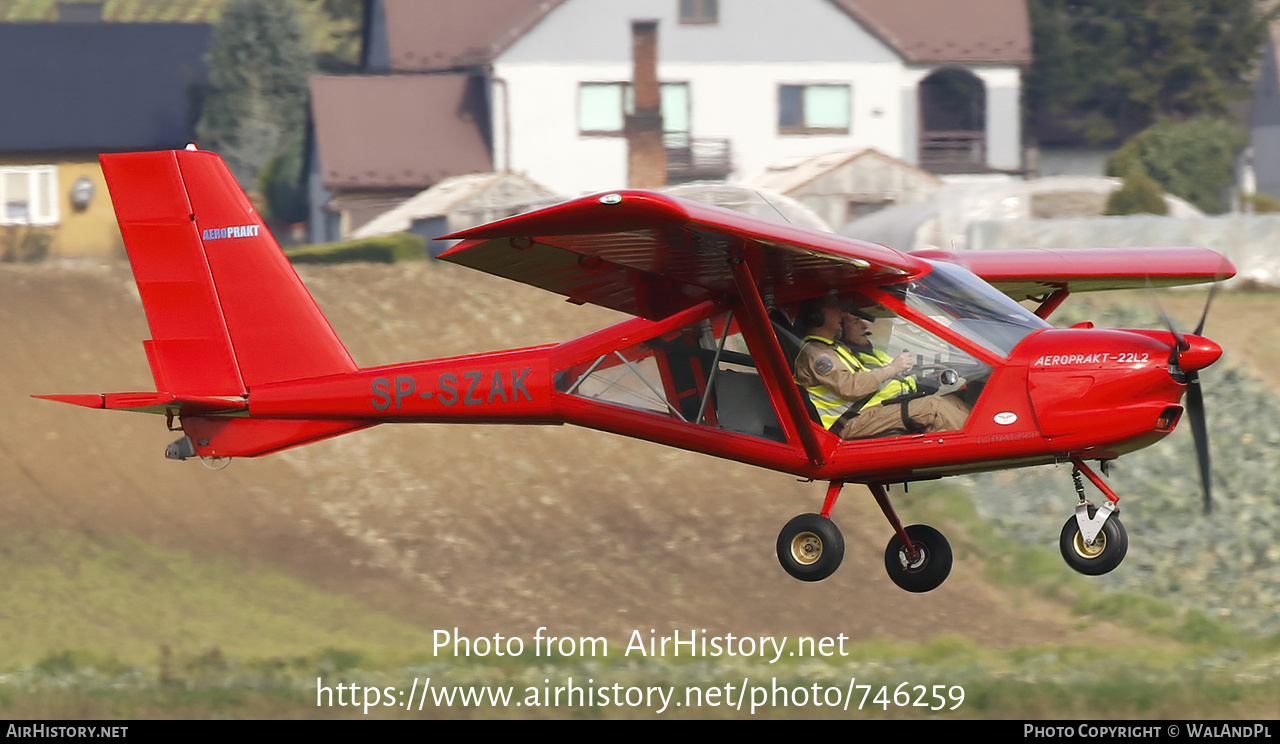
(56, 205)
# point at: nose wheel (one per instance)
(1101, 554)
(1093, 541)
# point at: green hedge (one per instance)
(382, 249)
(1138, 194)
(1194, 159)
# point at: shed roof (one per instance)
(474, 189)
(789, 174)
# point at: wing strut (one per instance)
(1051, 302)
(777, 373)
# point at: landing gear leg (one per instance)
(1094, 541)
(918, 558)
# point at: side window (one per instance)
(700, 374)
(603, 109)
(29, 195)
(675, 114)
(815, 109)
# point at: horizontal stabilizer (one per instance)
(162, 403)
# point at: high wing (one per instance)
(653, 255)
(1033, 273)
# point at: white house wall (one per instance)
(748, 31)
(1004, 117)
(733, 70)
(546, 146)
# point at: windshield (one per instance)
(960, 301)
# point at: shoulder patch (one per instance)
(822, 365)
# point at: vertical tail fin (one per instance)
(226, 309)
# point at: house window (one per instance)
(675, 113)
(814, 109)
(29, 195)
(603, 108)
(699, 11)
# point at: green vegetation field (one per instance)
(160, 634)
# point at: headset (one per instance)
(812, 313)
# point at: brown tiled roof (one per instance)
(939, 31)
(428, 35)
(396, 132)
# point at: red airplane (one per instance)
(246, 364)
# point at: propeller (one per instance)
(1200, 433)
(1205, 315)
(1182, 357)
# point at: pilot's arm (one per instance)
(819, 364)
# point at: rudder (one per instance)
(190, 349)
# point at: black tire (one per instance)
(927, 573)
(1104, 555)
(810, 547)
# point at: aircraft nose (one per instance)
(1200, 353)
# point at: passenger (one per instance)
(854, 388)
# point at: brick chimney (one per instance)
(646, 156)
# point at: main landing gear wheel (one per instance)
(930, 568)
(1106, 552)
(810, 547)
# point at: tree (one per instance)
(338, 45)
(255, 106)
(1105, 69)
(282, 185)
(1192, 159)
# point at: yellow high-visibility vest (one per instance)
(831, 405)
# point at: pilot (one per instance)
(854, 386)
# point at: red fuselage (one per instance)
(1089, 393)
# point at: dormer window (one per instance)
(699, 11)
